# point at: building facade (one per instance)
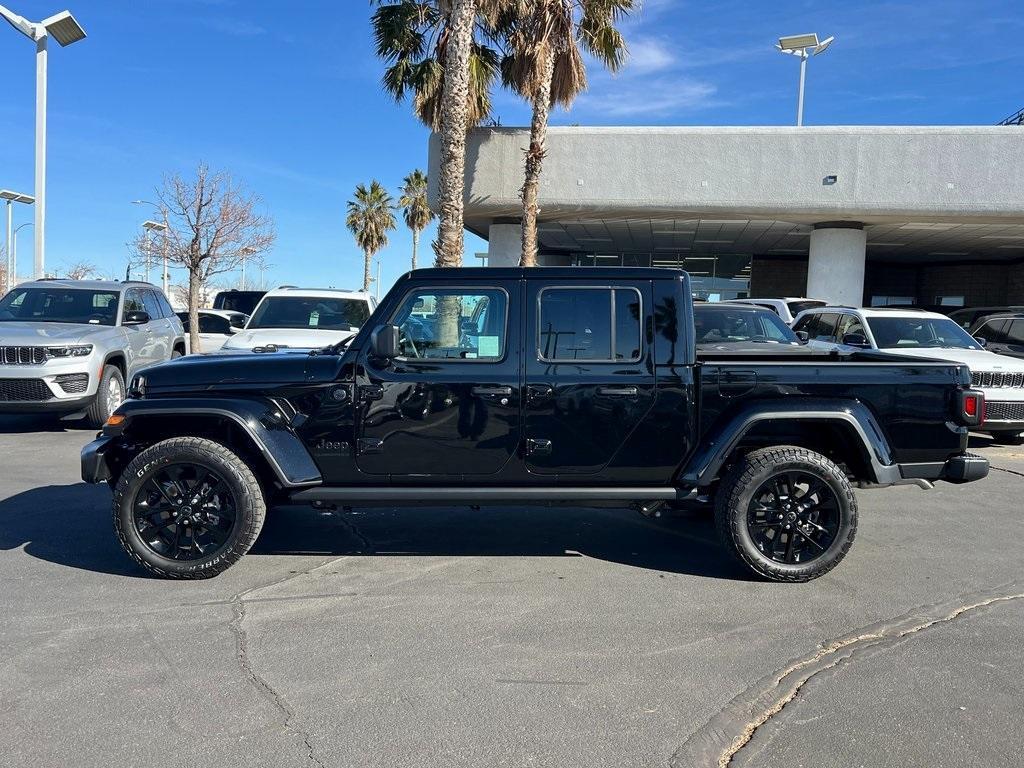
(853, 215)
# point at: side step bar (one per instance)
(477, 495)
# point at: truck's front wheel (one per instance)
(187, 508)
(787, 513)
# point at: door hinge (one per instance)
(370, 445)
(538, 447)
(371, 392)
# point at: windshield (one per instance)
(59, 305)
(919, 332)
(715, 325)
(310, 312)
(796, 307)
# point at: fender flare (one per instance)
(704, 466)
(263, 422)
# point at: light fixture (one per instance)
(803, 47)
(63, 28)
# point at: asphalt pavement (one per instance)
(507, 637)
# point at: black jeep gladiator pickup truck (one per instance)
(529, 386)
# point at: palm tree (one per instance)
(370, 218)
(545, 65)
(413, 202)
(436, 51)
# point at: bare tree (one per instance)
(81, 270)
(212, 225)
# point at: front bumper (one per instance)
(962, 468)
(63, 405)
(94, 461)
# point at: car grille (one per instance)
(22, 355)
(73, 383)
(1004, 411)
(24, 390)
(997, 379)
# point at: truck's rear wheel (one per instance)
(787, 513)
(187, 508)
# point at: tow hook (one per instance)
(650, 508)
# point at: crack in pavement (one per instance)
(260, 683)
(720, 739)
(1007, 471)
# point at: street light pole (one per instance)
(14, 251)
(803, 47)
(155, 226)
(11, 198)
(66, 30)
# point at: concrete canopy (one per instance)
(923, 193)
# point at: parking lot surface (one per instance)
(507, 637)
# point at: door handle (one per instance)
(618, 391)
(485, 391)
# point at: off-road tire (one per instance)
(248, 495)
(742, 482)
(99, 411)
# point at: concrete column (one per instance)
(504, 244)
(835, 265)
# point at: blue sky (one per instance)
(292, 105)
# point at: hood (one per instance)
(295, 338)
(975, 359)
(19, 333)
(241, 370)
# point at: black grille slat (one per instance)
(22, 355)
(24, 391)
(996, 411)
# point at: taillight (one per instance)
(972, 407)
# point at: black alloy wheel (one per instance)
(185, 512)
(793, 517)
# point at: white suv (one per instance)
(307, 318)
(786, 308)
(915, 333)
(68, 346)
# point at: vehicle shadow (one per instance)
(20, 424)
(70, 525)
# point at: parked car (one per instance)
(726, 325)
(787, 308)
(237, 301)
(305, 318)
(207, 442)
(1002, 334)
(68, 346)
(215, 327)
(915, 333)
(969, 316)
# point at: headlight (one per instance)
(74, 350)
(137, 389)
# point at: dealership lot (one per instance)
(507, 637)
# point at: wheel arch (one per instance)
(118, 360)
(844, 431)
(252, 430)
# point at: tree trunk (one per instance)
(454, 124)
(367, 256)
(193, 311)
(415, 245)
(534, 161)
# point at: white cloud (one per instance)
(636, 97)
(648, 54)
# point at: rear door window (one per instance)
(1015, 333)
(596, 324)
(152, 305)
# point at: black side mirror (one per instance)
(385, 342)
(856, 340)
(136, 318)
(803, 336)
(982, 342)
